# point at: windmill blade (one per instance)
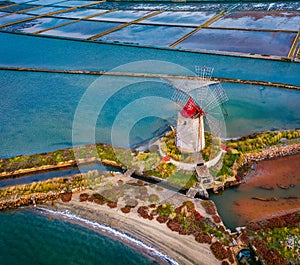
(214, 125)
(204, 72)
(201, 96)
(219, 91)
(180, 98)
(188, 85)
(185, 86)
(216, 98)
(217, 113)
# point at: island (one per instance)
(146, 196)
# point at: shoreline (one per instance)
(157, 241)
(108, 231)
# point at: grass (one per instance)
(183, 179)
(151, 161)
(56, 185)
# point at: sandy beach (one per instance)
(181, 248)
(277, 178)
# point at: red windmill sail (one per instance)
(191, 109)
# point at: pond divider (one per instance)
(292, 53)
(50, 14)
(147, 75)
(22, 11)
(124, 25)
(8, 5)
(204, 24)
(74, 21)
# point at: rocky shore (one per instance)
(272, 153)
(35, 199)
(27, 200)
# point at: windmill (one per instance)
(199, 100)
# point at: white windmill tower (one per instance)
(198, 101)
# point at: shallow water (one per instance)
(147, 35)
(122, 15)
(217, 5)
(81, 29)
(180, 18)
(37, 25)
(226, 200)
(38, 111)
(260, 20)
(80, 13)
(251, 42)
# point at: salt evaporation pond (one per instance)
(253, 42)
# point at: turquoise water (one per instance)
(27, 51)
(29, 238)
(37, 110)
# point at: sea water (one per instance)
(27, 237)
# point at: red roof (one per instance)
(224, 147)
(166, 159)
(191, 109)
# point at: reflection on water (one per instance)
(147, 35)
(253, 42)
(36, 25)
(260, 20)
(180, 18)
(38, 110)
(81, 29)
(278, 180)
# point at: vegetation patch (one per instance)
(277, 239)
(234, 160)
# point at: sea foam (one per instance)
(67, 214)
